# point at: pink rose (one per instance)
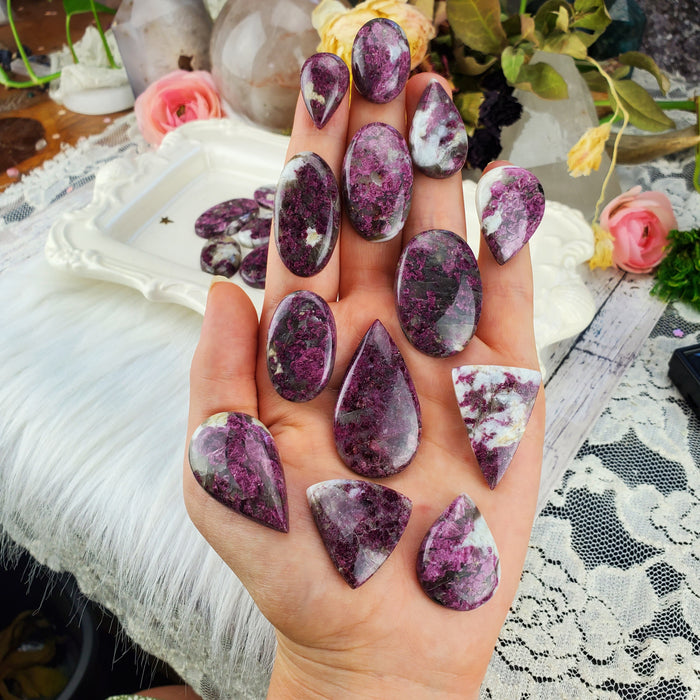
(178, 97)
(639, 222)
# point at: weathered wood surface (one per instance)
(582, 372)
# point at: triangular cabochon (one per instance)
(495, 403)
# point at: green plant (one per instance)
(70, 7)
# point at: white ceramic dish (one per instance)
(139, 228)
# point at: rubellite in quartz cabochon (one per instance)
(360, 524)
(235, 460)
(226, 217)
(324, 81)
(377, 421)
(381, 60)
(307, 214)
(510, 204)
(458, 564)
(301, 344)
(495, 404)
(221, 256)
(265, 196)
(438, 292)
(254, 268)
(377, 181)
(437, 138)
(255, 233)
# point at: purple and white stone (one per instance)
(235, 460)
(221, 256)
(377, 181)
(381, 60)
(510, 204)
(438, 292)
(301, 345)
(360, 524)
(495, 404)
(377, 420)
(255, 233)
(226, 217)
(437, 138)
(458, 564)
(254, 268)
(265, 196)
(307, 214)
(324, 81)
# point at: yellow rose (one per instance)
(588, 151)
(337, 25)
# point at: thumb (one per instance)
(222, 376)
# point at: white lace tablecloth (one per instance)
(609, 604)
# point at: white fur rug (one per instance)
(93, 389)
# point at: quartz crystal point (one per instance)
(377, 181)
(254, 268)
(360, 524)
(377, 422)
(307, 214)
(221, 256)
(226, 217)
(437, 138)
(301, 344)
(324, 81)
(510, 205)
(235, 460)
(381, 60)
(495, 403)
(438, 292)
(458, 564)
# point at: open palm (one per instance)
(386, 638)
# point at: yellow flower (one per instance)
(586, 154)
(604, 246)
(337, 25)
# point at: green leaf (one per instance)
(562, 23)
(644, 113)
(527, 28)
(644, 62)
(468, 65)
(478, 24)
(590, 20)
(569, 44)
(511, 62)
(468, 104)
(546, 17)
(543, 80)
(74, 7)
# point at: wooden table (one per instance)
(41, 27)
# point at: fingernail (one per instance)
(218, 278)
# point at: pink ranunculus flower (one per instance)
(639, 222)
(176, 98)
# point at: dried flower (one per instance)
(176, 98)
(604, 246)
(639, 223)
(337, 25)
(587, 153)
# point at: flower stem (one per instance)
(523, 7)
(110, 58)
(696, 172)
(685, 105)
(20, 48)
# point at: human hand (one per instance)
(385, 639)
